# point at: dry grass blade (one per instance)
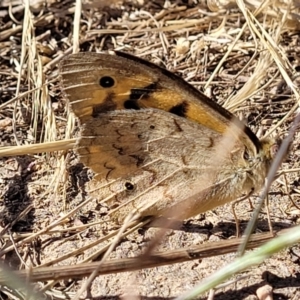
(138, 263)
(38, 148)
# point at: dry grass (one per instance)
(242, 54)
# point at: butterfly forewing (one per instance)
(95, 83)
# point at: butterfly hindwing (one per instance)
(152, 160)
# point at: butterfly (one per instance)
(157, 145)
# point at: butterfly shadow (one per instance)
(225, 229)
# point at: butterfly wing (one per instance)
(151, 161)
(95, 83)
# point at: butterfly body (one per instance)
(156, 145)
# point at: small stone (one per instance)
(265, 292)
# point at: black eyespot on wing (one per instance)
(106, 82)
(152, 127)
(129, 186)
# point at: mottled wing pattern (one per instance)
(151, 161)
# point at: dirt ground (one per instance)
(189, 38)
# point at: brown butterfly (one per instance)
(156, 144)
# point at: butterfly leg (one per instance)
(237, 223)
